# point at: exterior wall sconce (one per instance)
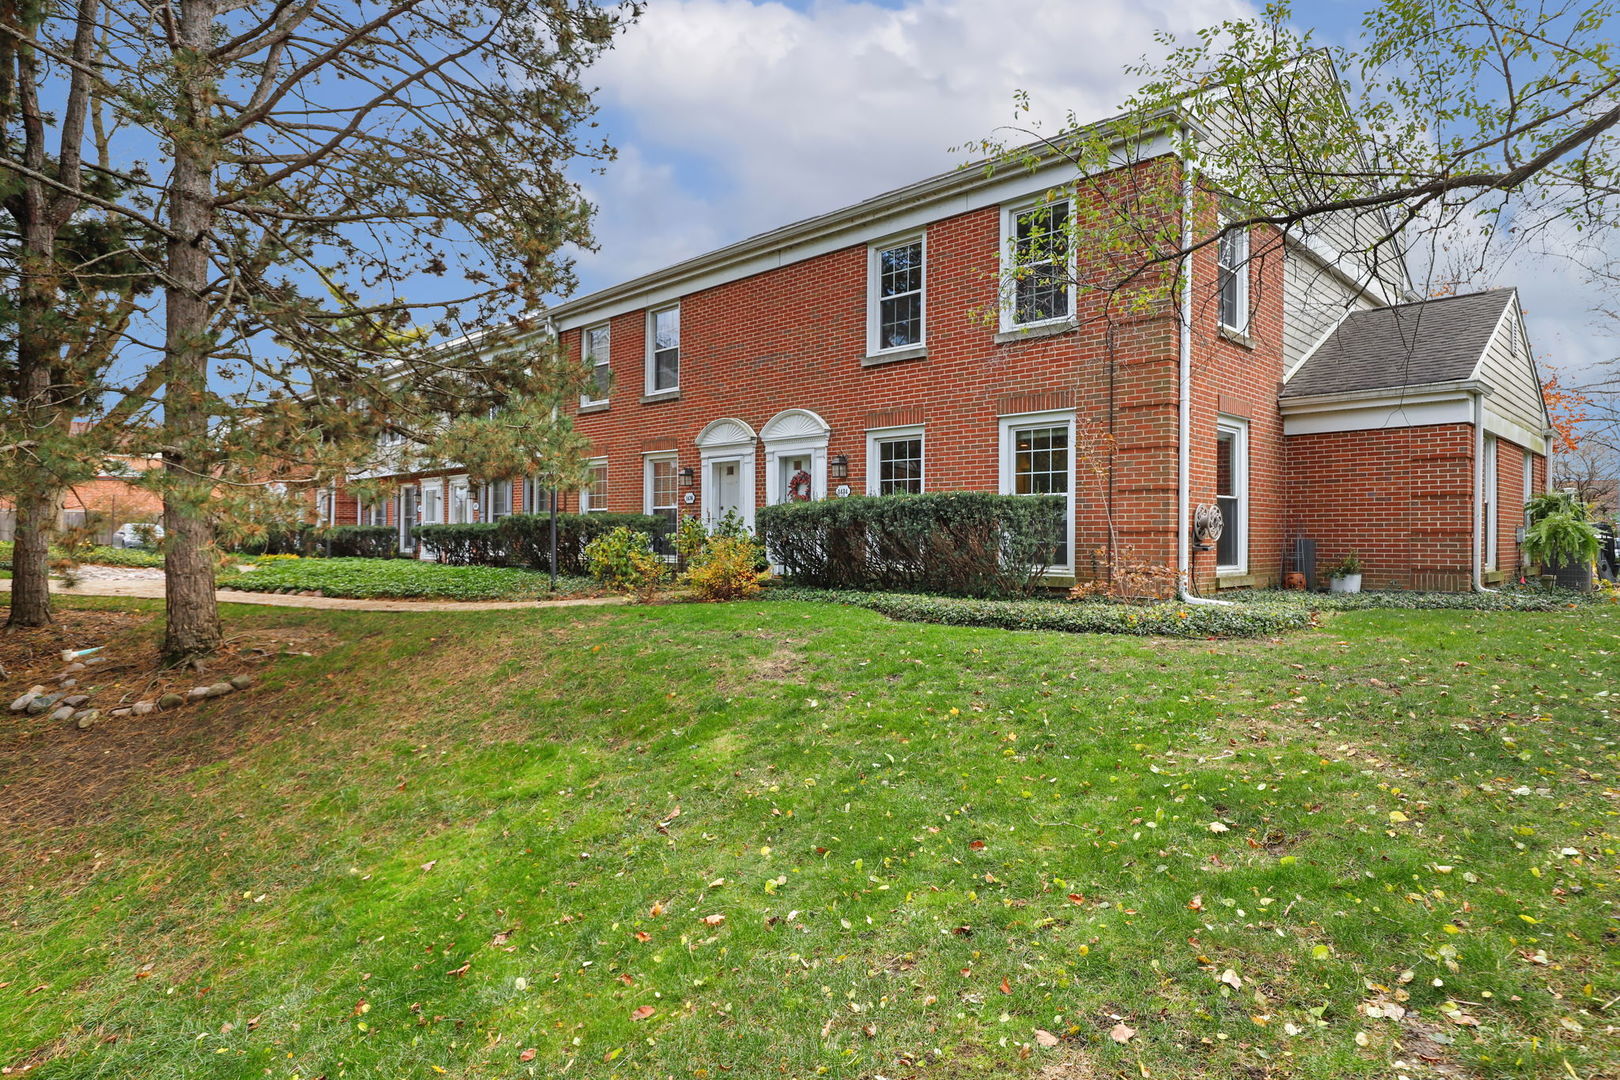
(839, 466)
(686, 476)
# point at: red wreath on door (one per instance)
(799, 486)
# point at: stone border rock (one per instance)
(74, 707)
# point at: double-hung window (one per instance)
(1037, 458)
(593, 497)
(659, 495)
(373, 512)
(894, 461)
(1039, 271)
(1232, 279)
(497, 500)
(1488, 503)
(1232, 495)
(595, 346)
(664, 349)
(536, 499)
(895, 313)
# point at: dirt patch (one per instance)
(1430, 1046)
(53, 773)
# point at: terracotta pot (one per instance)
(1293, 580)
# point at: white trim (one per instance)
(1240, 274)
(790, 433)
(439, 489)
(649, 369)
(721, 442)
(407, 542)
(1239, 428)
(875, 436)
(1513, 432)
(1008, 427)
(874, 278)
(585, 506)
(585, 400)
(1490, 509)
(1007, 289)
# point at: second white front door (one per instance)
(727, 481)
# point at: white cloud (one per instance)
(734, 117)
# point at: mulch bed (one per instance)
(52, 773)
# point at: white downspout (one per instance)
(1183, 523)
(1477, 510)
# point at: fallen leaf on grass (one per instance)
(643, 937)
(657, 909)
(643, 1012)
(1006, 987)
(460, 971)
(977, 845)
(1217, 827)
(430, 865)
(527, 1055)
(1076, 898)
(714, 920)
(1121, 1033)
(1045, 1038)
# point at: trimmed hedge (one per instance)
(395, 579)
(525, 539)
(361, 541)
(965, 543)
(1155, 620)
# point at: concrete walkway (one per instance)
(149, 587)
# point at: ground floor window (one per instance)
(372, 513)
(536, 499)
(1232, 494)
(593, 497)
(660, 497)
(894, 461)
(1488, 502)
(432, 502)
(1037, 458)
(497, 500)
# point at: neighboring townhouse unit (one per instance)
(879, 349)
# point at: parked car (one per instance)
(137, 534)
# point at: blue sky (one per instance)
(735, 116)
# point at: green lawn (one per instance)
(789, 840)
(397, 579)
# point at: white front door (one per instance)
(432, 511)
(727, 481)
(790, 466)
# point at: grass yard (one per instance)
(793, 840)
(398, 579)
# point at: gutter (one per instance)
(1183, 520)
(1478, 562)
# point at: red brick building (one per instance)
(885, 348)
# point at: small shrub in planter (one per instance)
(625, 562)
(1561, 538)
(1345, 575)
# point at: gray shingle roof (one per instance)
(1430, 341)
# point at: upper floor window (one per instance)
(896, 277)
(1232, 278)
(594, 345)
(1039, 273)
(664, 349)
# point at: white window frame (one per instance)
(452, 485)
(648, 461)
(490, 502)
(435, 488)
(1009, 287)
(650, 373)
(1010, 425)
(585, 505)
(368, 512)
(605, 360)
(876, 437)
(874, 306)
(1239, 240)
(1490, 512)
(1239, 428)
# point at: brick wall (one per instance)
(1402, 498)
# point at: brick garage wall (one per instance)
(1402, 498)
(1510, 499)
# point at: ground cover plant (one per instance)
(798, 840)
(96, 555)
(396, 579)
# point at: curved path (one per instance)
(148, 585)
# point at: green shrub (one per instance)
(361, 541)
(470, 544)
(1156, 620)
(527, 537)
(726, 569)
(625, 562)
(967, 543)
(393, 579)
(1560, 538)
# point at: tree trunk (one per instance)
(193, 629)
(38, 493)
(30, 562)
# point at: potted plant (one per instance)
(1561, 539)
(1345, 575)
